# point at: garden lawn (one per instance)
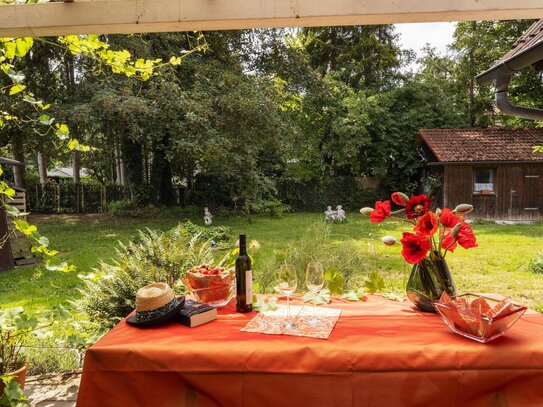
(498, 265)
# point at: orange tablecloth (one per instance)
(381, 353)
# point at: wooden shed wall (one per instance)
(518, 191)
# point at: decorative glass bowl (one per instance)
(213, 289)
(477, 317)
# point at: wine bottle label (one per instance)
(249, 287)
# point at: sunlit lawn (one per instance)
(498, 265)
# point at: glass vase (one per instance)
(427, 281)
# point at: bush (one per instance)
(109, 292)
(122, 208)
(215, 233)
(536, 264)
(271, 207)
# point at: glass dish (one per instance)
(213, 289)
(477, 317)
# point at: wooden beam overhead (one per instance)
(137, 16)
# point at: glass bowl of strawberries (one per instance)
(211, 284)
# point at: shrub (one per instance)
(536, 264)
(271, 207)
(122, 208)
(215, 233)
(109, 292)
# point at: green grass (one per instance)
(498, 265)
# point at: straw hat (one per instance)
(155, 303)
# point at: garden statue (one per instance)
(329, 214)
(207, 217)
(340, 213)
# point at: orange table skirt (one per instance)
(381, 353)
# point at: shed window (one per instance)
(483, 180)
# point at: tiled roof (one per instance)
(531, 38)
(526, 51)
(469, 145)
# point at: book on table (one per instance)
(195, 313)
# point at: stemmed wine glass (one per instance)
(288, 281)
(314, 279)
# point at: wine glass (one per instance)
(314, 279)
(288, 281)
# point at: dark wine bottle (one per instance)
(244, 278)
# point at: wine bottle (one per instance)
(244, 278)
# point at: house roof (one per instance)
(532, 37)
(527, 50)
(65, 172)
(476, 145)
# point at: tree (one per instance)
(478, 46)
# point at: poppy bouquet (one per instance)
(434, 233)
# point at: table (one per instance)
(381, 353)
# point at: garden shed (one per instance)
(495, 170)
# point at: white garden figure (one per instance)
(207, 217)
(340, 213)
(329, 214)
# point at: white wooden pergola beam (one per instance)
(136, 16)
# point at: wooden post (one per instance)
(6, 258)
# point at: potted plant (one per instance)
(16, 328)
(11, 393)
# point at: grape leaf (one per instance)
(375, 282)
(335, 281)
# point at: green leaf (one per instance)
(263, 305)
(59, 266)
(323, 297)
(361, 294)
(16, 89)
(43, 241)
(9, 49)
(25, 227)
(335, 281)
(46, 119)
(350, 296)
(60, 312)
(16, 77)
(12, 392)
(393, 297)
(375, 282)
(23, 322)
(12, 210)
(23, 45)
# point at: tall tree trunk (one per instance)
(76, 164)
(161, 188)
(18, 154)
(472, 73)
(119, 167)
(133, 163)
(42, 167)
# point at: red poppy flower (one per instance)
(399, 198)
(417, 206)
(449, 242)
(414, 248)
(427, 225)
(466, 238)
(449, 219)
(381, 211)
